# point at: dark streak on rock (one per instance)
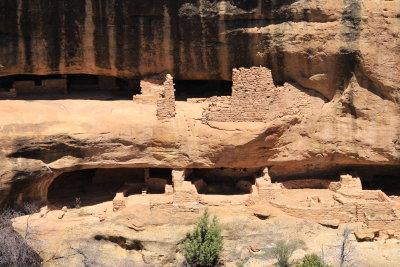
(100, 20)
(8, 29)
(26, 29)
(74, 28)
(52, 16)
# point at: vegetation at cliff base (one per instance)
(203, 245)
(312, 260)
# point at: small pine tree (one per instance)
(203, 246)
(312, 260)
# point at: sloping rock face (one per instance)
(335, 80)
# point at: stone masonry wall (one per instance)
(8, 94)
(345, 213)
(47, 87)
(256, 98)
(166, 101)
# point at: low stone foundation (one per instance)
(348, 205)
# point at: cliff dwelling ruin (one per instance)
(75, 86)
(125, 120)
(251, 97)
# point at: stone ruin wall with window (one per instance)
(255, 98)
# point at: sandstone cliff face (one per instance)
(315, 43)
(335, 64)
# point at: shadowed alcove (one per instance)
(223, 181)
(69, 86)
(185, 89)
(94, 186)
(389, 184)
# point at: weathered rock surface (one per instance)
(75, 239)
(42, 139)
(366, 234)
(335, 65)
(318, 44)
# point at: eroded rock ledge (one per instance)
(327, 101)
(293, 130)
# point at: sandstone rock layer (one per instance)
(330, 101)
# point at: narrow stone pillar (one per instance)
(185, 193)
(265, 175)
(119, 201)
(350, 186)
(350, 182)
(178, 177)
(166, 101)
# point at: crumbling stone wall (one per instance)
(384, 224)
(158, 90)
(150, 88)
(166, 101)
(4, 94)
(51, 86)
(250, 90)
(307, 183)
(256, 98)
(107, 83)
(345, 213)
(376, 195)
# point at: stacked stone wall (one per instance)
(376, 195)
(376, 208)
(150, 89)
(8, 94)
(379, 215)
(345, 213)
(307, 183)
(390, 224)
(47, 87)
(255, 98)
(166, 101)
(107, 83)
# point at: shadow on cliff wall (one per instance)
(49, 150)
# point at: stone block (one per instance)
(119, 202)
(334, 223)
(366, 234)
(261, 212)
(12, 93)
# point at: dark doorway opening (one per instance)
(158, 179)
(185, 89)
(93, 186)
(223, 181)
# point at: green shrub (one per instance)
(312, 260)
(203, 245)
(284, 250)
